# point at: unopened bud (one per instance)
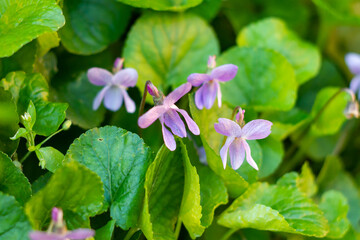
(352, 110)
(66, 125)
(57, 215)
(152, 90)
(26, 117)
(118, 64)
(211, 62)
(240, 116)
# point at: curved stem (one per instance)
(178, 228)
(25, 157)
(48, 138)
(142, 105)
(130, 233)
(228, 234)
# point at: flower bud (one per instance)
(240, 116)
(211, 62)
(66, 125)
(57, 215)
(118, 64)
(152, 90)
(352, 110)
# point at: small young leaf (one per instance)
(50, 158)
(21, 132)
(163, 5)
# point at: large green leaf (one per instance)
(327, 111)
(50, 158)
(91, 25)
(272, 155)
(275, 208)
(121, 159)
(21, 21)
(13, 181)
(163, 5)
(259, 70)
(335, 207)
(74, 188)
(176, 45)
(303, 56)
(9, 121)
(26, 87)
(13, 222)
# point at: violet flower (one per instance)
(353, 62)
(206, 94)
(57, 230)
(168, 114)
(236, 138)
(115, 86)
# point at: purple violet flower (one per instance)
(168, 114)
(353, 62)
(236, 138)
(115, 86)
(206, 94)
(57, 230)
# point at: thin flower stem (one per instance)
(48, 138)
(178, 228)
(130, 233)
(228, 234)
(25, 157)
(142, 105)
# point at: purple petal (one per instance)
(227, 127)
(198, 97)
(355, 84)
(174, 122)
(256, 129)
(126, 77)
(193, 127)
(237, 153)
(81, 233)
(113, 98)
(196, 79)
(219, 96)
(169, 139)
(99, 76)
(129, 103)
(353, 62)
(150, 116)
(175, 95)
(99, 97)
(209, 94)
(37, 235)
(225, 72)
(249, 159)
(224, 150)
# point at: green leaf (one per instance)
(212, 142)
(32, 112)
(163, 5)
(105, 232)
(13, 181)
(259, 70)
(41, 182)
(121, 159)
(22, 21)
(164, 187)
(207, 9)
(327, 111)
(33, 87)
(13, 222)
(50, 158)
(176, 45)
(335, 207)
(21, 132)
(80, 94)
(272, 155)
(213, 194)
(45, 42)
(67, 189)
(275, 208)
(91, 25)
(303, 56)
(9, 121)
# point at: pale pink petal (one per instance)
(99, 76)
(249, 159)
(37, 235)
(355, 84)
(113, 98)
(174, 122)
(209, 94)
(81, 233)
(224, 150)
(193, 127)
(237, 153)
(99, 97)
(175, 95)
(150, 116)
(353, 62)
(126, 77)
(256, 129)
(227, 127)
(196, 79)
(219, 96)
(169, 139)
(199, 98)
(129, 103)
(224, 73)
